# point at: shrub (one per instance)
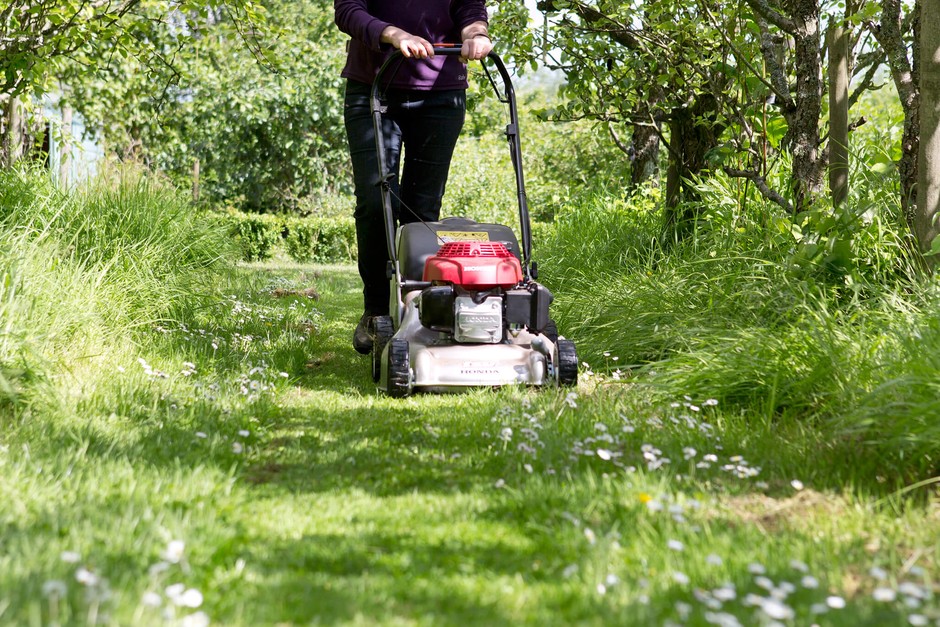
(310, 239)
(256, 234)
(300, 239)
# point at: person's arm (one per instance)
(476, 41)
(410, 45)
(352, 17)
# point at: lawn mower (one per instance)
(465, 310)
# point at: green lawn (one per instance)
(238, 466)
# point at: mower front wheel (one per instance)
(399, 369)
(382, 331)
(567, 363)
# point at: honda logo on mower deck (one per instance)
(479, 323)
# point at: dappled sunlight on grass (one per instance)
(237, 464)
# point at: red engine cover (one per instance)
(474, 265)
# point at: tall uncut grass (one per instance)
(81, 271)
(825, 320)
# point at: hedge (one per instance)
(312, 239)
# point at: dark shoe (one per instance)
(363, 336)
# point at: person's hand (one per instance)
(475, 48)
(410, 45)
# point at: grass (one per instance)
(225, 456)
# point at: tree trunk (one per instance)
(905, 76)
(65, 152)
(803, 131)
(675, 172)
(13, 132)
(645, 144)
(928, 177)
(693, 132)
(838, 45)
(196, 180)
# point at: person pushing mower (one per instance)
(425, 114)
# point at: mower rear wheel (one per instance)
(382, 331)
(399, 369)
(551, 331)
(567, 363)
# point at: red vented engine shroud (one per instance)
(474, 265)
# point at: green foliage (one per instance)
(304, 239)
(43, 41)
(256, 234)
(561, 161)
(758, 314)
(83, 269)
(264, 123)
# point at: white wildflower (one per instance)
(809, 582)
(175, 591)
(54, 588)
(174, 551)
(836, 603)
(86, 577)
(70, 557)
(680, 578)
(158, 569)
(800, 566)
(912, 590)
(683, 610)
(198, 619)
(722, 619)
(152, 599)
(191, 598)
(883, 594)
(777, 610)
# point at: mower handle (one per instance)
(512, 134)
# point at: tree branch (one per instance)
(763, 8)
(613, 135)
(768, 49)
(761, 184)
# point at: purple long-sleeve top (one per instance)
(438, 21)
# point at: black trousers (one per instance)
(423, 124)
